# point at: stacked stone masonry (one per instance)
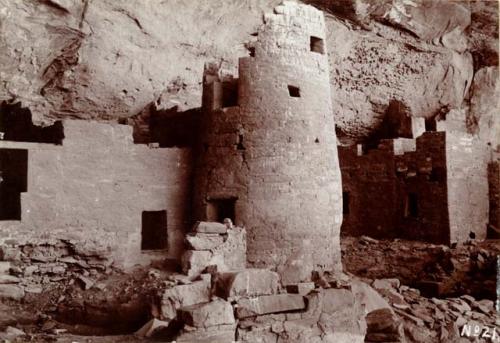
(433, 188)
(95, 186)
(271, 153)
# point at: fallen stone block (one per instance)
(204, 241)
(148, 330)
(386, 284)
(384, 326)
(302, 288)
(368, 297)
(194, 262)
(261, 334)
(11, 334)
(231, 255)
(247, 307)
(247, 283)
(184, 295)
(13, 292)
(219, 334)
(217, 312)
(4, 267)
(85, 282)
(209, 227)
(5, 279)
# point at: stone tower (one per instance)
(267, 149)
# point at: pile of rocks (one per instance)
(37, 266)
(437, 270)
(214, 244)
(437, 320)
(218, 299)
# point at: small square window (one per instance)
(317, 45)
(220, 209)
(294, 91)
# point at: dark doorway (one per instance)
(13, 181)
(411, 208)
(154, 230)
(220, 209)
(345, 202)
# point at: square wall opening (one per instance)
(154, 230)
(294, 91)
(220, 209)
(317, 45)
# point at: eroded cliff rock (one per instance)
(105, 59)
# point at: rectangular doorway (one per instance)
(154, 230)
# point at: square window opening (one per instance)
(220, 209)
(294, 91)
(154, 230)
(317, 45)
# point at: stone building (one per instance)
(93, 186)
(267, 158)
(267, 155)
(433, 187)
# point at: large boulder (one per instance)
(216, 312)
(247, 283)
(184, 295)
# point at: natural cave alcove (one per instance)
(16, 124)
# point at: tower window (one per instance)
(154, 230)
(345, 202)
(317, 45)
(219, 209)
(294, 91)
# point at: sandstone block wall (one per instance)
(95, 187)
(275, 153)
(433, 188)
(397, 189)
(494, 192)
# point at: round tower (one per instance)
(267, 151)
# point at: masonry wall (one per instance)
(276, 153)
(94, 188)
(494, 193)
(397, 189)
(468, 200)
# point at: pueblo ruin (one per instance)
(250, 219)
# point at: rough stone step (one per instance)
(247, 307)
(4, 267)
(204, 241)
(7, 279)
(209, 227)
(217, 312)
(11, 292)
(184, 295)
(247, 283)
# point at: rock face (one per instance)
(103, 59)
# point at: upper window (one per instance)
(317, 45)
(294, 91)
